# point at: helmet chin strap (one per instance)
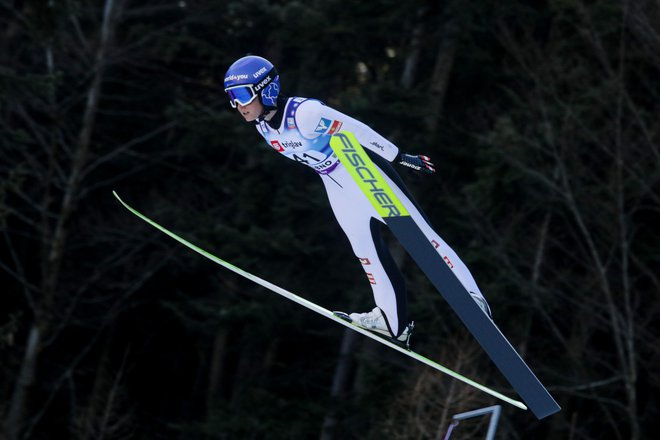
(267, 114)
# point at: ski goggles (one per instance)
(243, 94)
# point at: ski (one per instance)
(323, 311)
(366, 175)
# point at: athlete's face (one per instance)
(251, 111)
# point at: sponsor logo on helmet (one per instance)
(258, 73)
(269, 95)
(233, 77)
(277, 146)
(262, 83)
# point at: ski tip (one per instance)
(114, 193)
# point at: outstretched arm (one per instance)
(317, 114)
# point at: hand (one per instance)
(419, 163)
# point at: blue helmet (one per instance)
(249, 77)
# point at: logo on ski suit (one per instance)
(289, 141)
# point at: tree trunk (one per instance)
(216, 369)
(44, 307)
(340, 380)
(444, 63)
(414, 51)
(79, 160)
(16, 415)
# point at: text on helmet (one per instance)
(258, 73)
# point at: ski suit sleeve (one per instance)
(312, 113)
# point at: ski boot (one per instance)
(375, 321)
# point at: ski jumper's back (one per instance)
(306, 128)
(303, 135)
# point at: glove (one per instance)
(419, 163)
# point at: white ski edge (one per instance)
(322, 311)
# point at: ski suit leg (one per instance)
(362, 224)
(450, 257)
(358, 219)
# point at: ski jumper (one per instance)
(303, 134)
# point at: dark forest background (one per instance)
(542, 120)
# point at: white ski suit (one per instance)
(303, 132)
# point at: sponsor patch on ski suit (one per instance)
(305, 131)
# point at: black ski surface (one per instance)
(404, 228)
